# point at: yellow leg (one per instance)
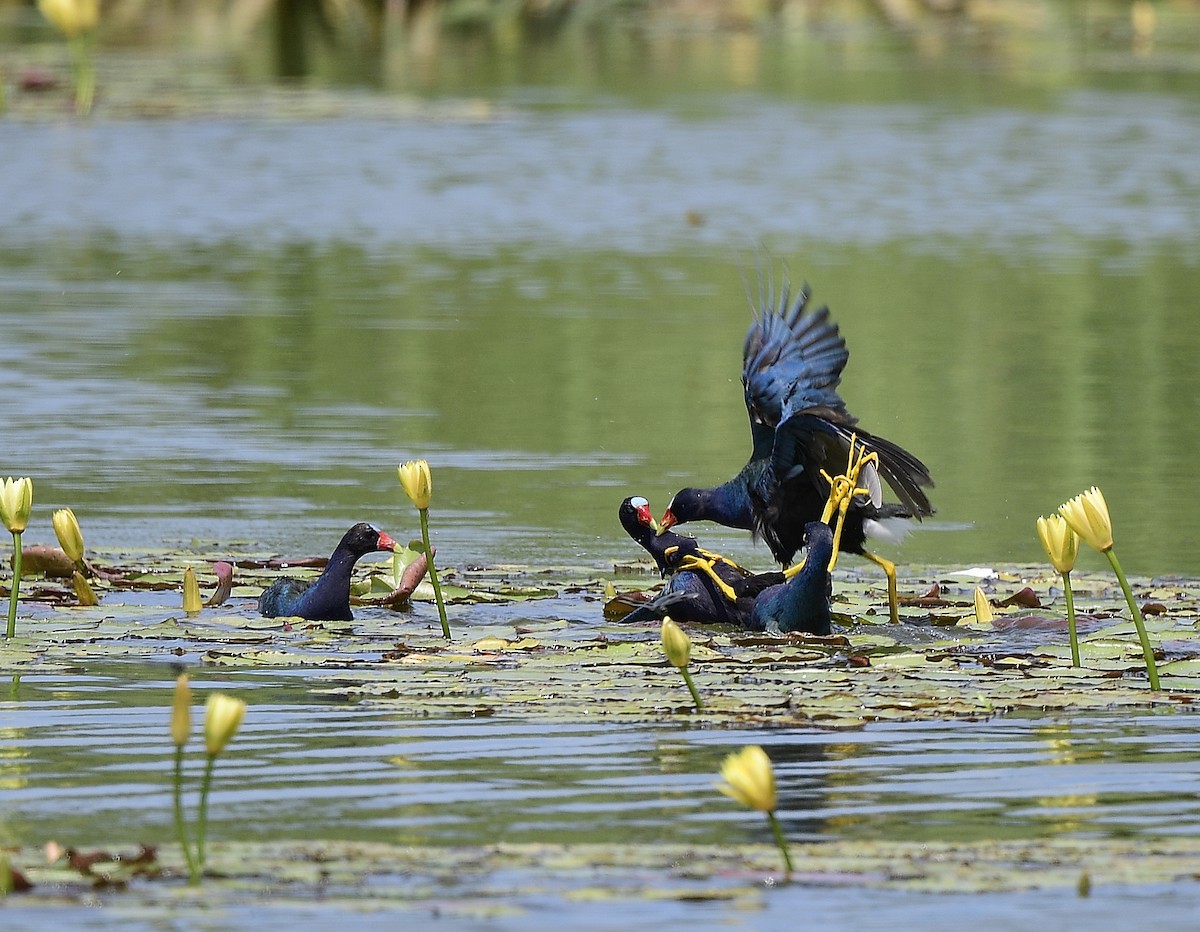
(793, 570)
(706, 566)
(890, 568)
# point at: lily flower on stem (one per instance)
(77, 20)
(70, 538)
(181, 727)
(222, 717)
(750, 779)
(678, 648)
(1062, 547)
(417, 482)
(1087, 514)
(16, 502)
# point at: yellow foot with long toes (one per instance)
(890, 568)
(706, 566)
(842, 491)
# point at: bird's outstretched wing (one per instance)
(792, 355)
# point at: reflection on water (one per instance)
(80, 751)
(266, 396)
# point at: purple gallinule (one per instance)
(328, 598)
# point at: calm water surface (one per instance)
(235, 330)
(95, 751)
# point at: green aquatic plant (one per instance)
(16, 501)
(70, 538)
(77, 20)
(181, 729)
(1062, 547)
(1087, 514)
(750, 779)
(417, 482)
(678, 648)
(223, 716)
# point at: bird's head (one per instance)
(635, 514)
(685, 506)
(367, 538)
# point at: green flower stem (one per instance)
(437, 586)
(687, 678)
(85, 72)
(1066, 578)
(16, 585)
(1147, 650)
(180, 827)
(781, 842)
(202, 816)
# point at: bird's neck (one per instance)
(729, 504)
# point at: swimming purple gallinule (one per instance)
(329, 597)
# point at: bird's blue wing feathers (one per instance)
(791, 352)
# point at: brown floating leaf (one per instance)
(409, 580)
(49, 561)
(623, 603)
(14, 882)
(1154, 608)
(1026, 598)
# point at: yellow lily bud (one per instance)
(222, 717)
(70, 538)
(83, 589)
(676, 644)
(1060, 542)
(181, 711)
(417, 482)
(71, 16)
(1087, 514)
(983, 608)
(749, 778)
(191, 592)
(16, 501)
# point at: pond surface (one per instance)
(311, 769)
(224, 328)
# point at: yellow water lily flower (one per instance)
(1087, 514)
(676, 644)
(16, 501)
(71, 17)
(749, 778)
(417, 482)
(1061, 543)
(181, 711)
(70, 538)
(222, 717)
